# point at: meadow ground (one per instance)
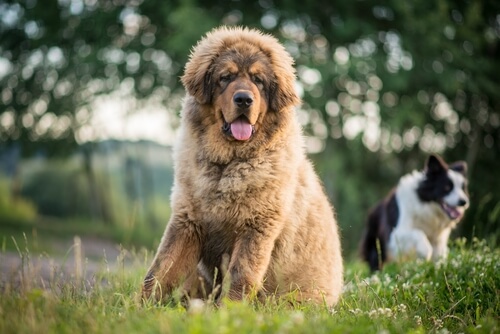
(82, 292)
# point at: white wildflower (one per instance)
(380, 312)
(386, 312)
(297, 318)
(438, 323)
(196, 306)
(356, 311)
(375, 280)
(348, 287)
(402, 308)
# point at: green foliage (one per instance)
(15, 211)
(185, 36)
(489, 208)
(142, 230)
(126, 201)
(58, 188)
(458, 295)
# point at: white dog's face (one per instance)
(456, 201)
(446, 185)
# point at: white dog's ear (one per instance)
(459, 166)
(435, 164)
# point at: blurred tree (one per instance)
(384, 82)
(404, 79)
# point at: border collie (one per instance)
(416, 218)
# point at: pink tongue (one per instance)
(452, 212)
(241, 129)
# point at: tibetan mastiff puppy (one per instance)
(249, 214)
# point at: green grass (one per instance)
(461, 294)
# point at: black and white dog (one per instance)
(416, 218)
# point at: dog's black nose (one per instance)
(243, 99)
(462, 202)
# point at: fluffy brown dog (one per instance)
(247, 208)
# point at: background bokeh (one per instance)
(90, 97)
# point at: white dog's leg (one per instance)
(409, 243)
(440, 248)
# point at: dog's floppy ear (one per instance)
(198, 73)
(198, 81)
(435, 164)
(282, 92)
(282, 95)
(459, 166)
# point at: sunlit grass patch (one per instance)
(457, 293)
(460, 294)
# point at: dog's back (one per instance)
(381, 220)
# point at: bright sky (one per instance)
(115, 118)
(120, 116)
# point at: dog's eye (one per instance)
(448, 187)
(225, 78)
(258, 80)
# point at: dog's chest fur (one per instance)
(231, 199)
(233, 189)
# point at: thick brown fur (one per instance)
(248, 214)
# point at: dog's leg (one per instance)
(440, 248)
(175, 261)
(250, 260)
(408, 243)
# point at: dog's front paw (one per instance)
(148, 286)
